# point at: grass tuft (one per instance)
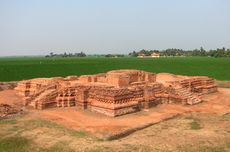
(14, 144)
(194, 125)
(7, 121)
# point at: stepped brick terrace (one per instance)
(116, 92)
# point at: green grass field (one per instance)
(12, 69)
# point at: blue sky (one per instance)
(36, 27)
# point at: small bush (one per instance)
(195, 125)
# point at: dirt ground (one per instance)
(106, 127)
(10, 97)
(189, 132)
(202, 127)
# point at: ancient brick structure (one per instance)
(114, 93)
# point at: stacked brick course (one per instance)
(113, 93)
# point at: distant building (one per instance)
(141, 55)
(155, 55)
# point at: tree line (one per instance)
(219, 52)
(81, 54)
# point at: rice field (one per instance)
(20, 68)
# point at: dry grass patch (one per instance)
(30, 133)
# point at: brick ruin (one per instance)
(116, 92)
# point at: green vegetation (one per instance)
(8, 121)
(14, 144)
(37, 123)
(64, 55)
(12, 69)
(195, 125)
(14, 138)
(22, 144)
(219, 52)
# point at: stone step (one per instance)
(47, 93)
(191, 98)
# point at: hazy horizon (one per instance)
(30, 27)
